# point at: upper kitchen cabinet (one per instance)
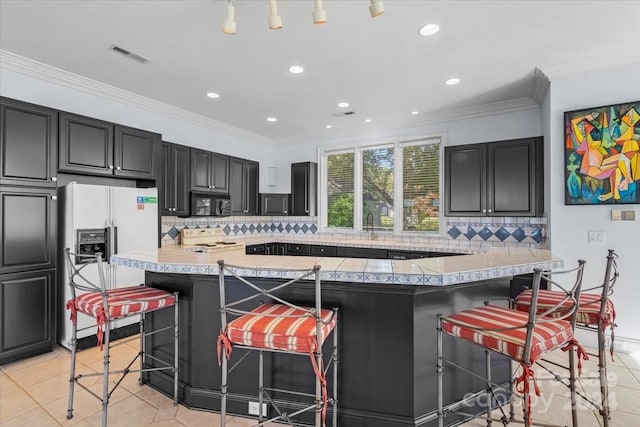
(243, 186)
(27, 229)
(136, 152)
(96, 147)
(274, 204)
(174, 183)
(304, 182)
(28, 144)
(209, 171)
(501, 178)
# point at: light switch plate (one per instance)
(597, 237)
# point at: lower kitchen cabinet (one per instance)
(349, 252)
(321, 250)
(297, 249)
(27, 229)
(255, 249)
(275, 248)
(27, 322)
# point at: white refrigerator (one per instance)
(128, 218)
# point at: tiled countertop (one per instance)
(492, 263)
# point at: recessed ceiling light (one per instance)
(343, 104)
(272, 119)
(453, 81)
(429, 29)
(296, 69)
(213, 95)
(415, 113)
(367, 120)
(328, 126)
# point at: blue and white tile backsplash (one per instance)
(458, 232)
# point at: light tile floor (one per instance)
(33, 392)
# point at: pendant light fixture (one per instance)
(376, 8)
(319, 14)
(229, 24)
(275, 20)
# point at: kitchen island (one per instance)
(387, 315)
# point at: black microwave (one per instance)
(203, 204)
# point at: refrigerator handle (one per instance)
(115, 239)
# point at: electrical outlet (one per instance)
(253, 409)
(596, 236)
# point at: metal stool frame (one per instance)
(228, 308)
(79, 282)
(606, 290)
(534, 318)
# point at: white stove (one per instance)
(208, 240)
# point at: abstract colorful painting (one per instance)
(602, 159)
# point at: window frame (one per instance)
(357, 149)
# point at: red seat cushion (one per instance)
(588, 306)
(280, 327)
(123, 302)
(547, 336)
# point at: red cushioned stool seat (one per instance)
(280, 327)
(588, 306)
(547, 336)
(124, 301)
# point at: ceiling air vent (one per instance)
(129, 54)
(344, 114)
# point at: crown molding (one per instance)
(590, 63)
(541, 84)
(41, 71)
(434, 118)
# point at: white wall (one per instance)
(520, 124)
(569, 225)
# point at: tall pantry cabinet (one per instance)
(28, 210)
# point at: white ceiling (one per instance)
(381, 66)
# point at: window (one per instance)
(421, 187)
(377, 189)
(365, 188)
(340, 182)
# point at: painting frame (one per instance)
(601, 155)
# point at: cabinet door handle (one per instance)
(213, 186)
(118, 168)
(54, 197)
(484, 210)
(489, 210)
(54, 178)
(110, 166)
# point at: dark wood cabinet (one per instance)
(243, 186)
(275, 248)
(255, 249)
(95, 147)
(274, 204)
(85, 145)
(174, 182)
(136, 153)
(322, 250)
(515, 178)
(349, 252)
(304, 183)
(27, 303)
(209, 171)
(27, 271)
(28, 144)
(298, 249)
(27, 229)
(501, 178)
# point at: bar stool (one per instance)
(278, 325)
(107, 305)
(522, 337)
(595, 312)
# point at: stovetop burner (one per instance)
(208, 245)
(225, 243)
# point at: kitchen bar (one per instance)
(387, 312)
